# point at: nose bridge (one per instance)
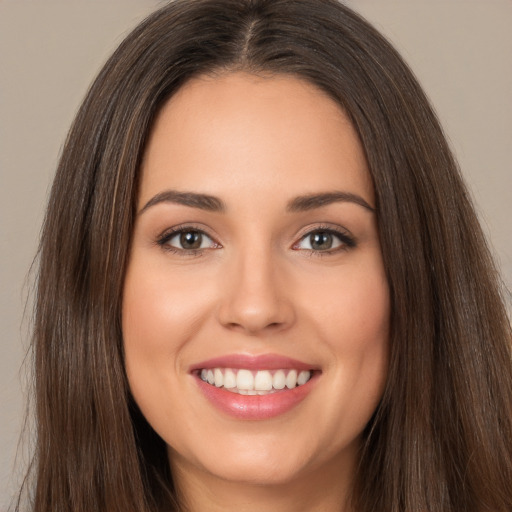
(254, 298)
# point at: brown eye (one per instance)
(321, 241)
(187, 239)
(191, 240)
(325, 240)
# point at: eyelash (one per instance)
(164, 239)
(347, 242)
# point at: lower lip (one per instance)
(256, 407)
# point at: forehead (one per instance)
(218, 132)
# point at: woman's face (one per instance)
(256, 306)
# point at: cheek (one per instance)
(156, 321)
(353, 311)
(160, 311)
(353, 322)
(159, 316)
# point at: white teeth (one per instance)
(261, 382)
(303, 378)
(279, 380)
(219, 378)
(244, 380)
(229, 379)
(291, 379)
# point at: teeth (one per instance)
(291, 379)
(261, 382)
(279, 380)
(301, 379)
(229, 379)
(244, 380)
(219, 378)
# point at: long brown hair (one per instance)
(441, 439)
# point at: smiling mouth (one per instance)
(254, 382)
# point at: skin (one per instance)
(257, 287)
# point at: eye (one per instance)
(324, 240)
(186, 239)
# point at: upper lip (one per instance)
(253, 362)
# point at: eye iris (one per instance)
(191, 240)
(321, 240)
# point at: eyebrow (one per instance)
(214, 204)
(191, 199)
(313, 201)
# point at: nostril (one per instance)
(254, 329)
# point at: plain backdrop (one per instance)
(461, 51)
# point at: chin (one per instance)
(260, 473)
(260, 465)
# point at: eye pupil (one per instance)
(191, 240)
(321, 240)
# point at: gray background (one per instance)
(50, 50)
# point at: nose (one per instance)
(255, 295)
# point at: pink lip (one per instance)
(254, 407)
(251, 362)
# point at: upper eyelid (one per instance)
(180, 228)
(331, 228)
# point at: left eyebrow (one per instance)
(312, 201)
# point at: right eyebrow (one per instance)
(191, 199)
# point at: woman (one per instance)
(262, 284)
